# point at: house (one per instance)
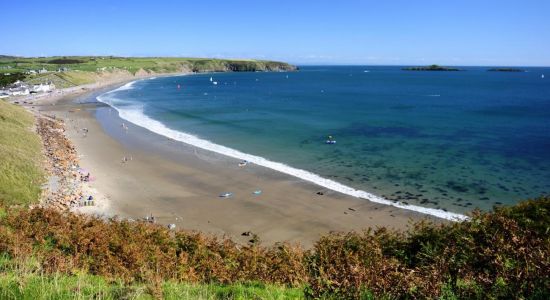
(46, 87)
(19, 91)
(63, 69)
(31, 72)
(42, 71)
(16, 89)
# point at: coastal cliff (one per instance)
(68, 71)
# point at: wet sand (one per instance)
(181, 184)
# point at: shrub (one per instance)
(503, 254)
(498, 255)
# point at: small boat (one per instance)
(226, 195)
(542, 76)
(214, 82)
(210, 79)
(257, 192)
(366, 71)
(330, 142)
(243, 163)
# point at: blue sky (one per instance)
(462, 32)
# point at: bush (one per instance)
(498, 255)
(503, 254)
(141, 252)
(65, 61)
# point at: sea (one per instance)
(439, 142)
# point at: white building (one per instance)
(18, 88)
(43, 87)
(19, 91)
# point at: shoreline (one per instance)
(179, 184)
(159, 128)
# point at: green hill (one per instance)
(66, 71)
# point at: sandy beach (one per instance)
(136, 173)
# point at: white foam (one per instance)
(127, 86)
(135, 115)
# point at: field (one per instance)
(84, 69)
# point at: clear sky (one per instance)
(460, 32)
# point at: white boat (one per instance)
(542, 76)
(215, 82)
(226, 195)
(210, 79)
(330, 142)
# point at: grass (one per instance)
(84, 69)
(64, 79)
(25, 280)
(20, 151)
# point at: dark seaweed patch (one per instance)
(457, 187)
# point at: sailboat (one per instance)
(210, 79)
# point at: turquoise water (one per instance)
(448, 140)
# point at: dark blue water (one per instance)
(453, 140)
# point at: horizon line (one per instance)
(289, 62)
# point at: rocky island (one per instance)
(430, 68)
(505, 70)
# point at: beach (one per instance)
(137, 174)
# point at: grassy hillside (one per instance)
(504, 254)
(25, 281)
(83, 69)
(20, 156)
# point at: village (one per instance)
(20, 88)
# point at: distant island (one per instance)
(505, 70)
(430, 68)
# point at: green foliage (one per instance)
(6, 80)
(26, 281)
(20, 156)
(65, 61)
